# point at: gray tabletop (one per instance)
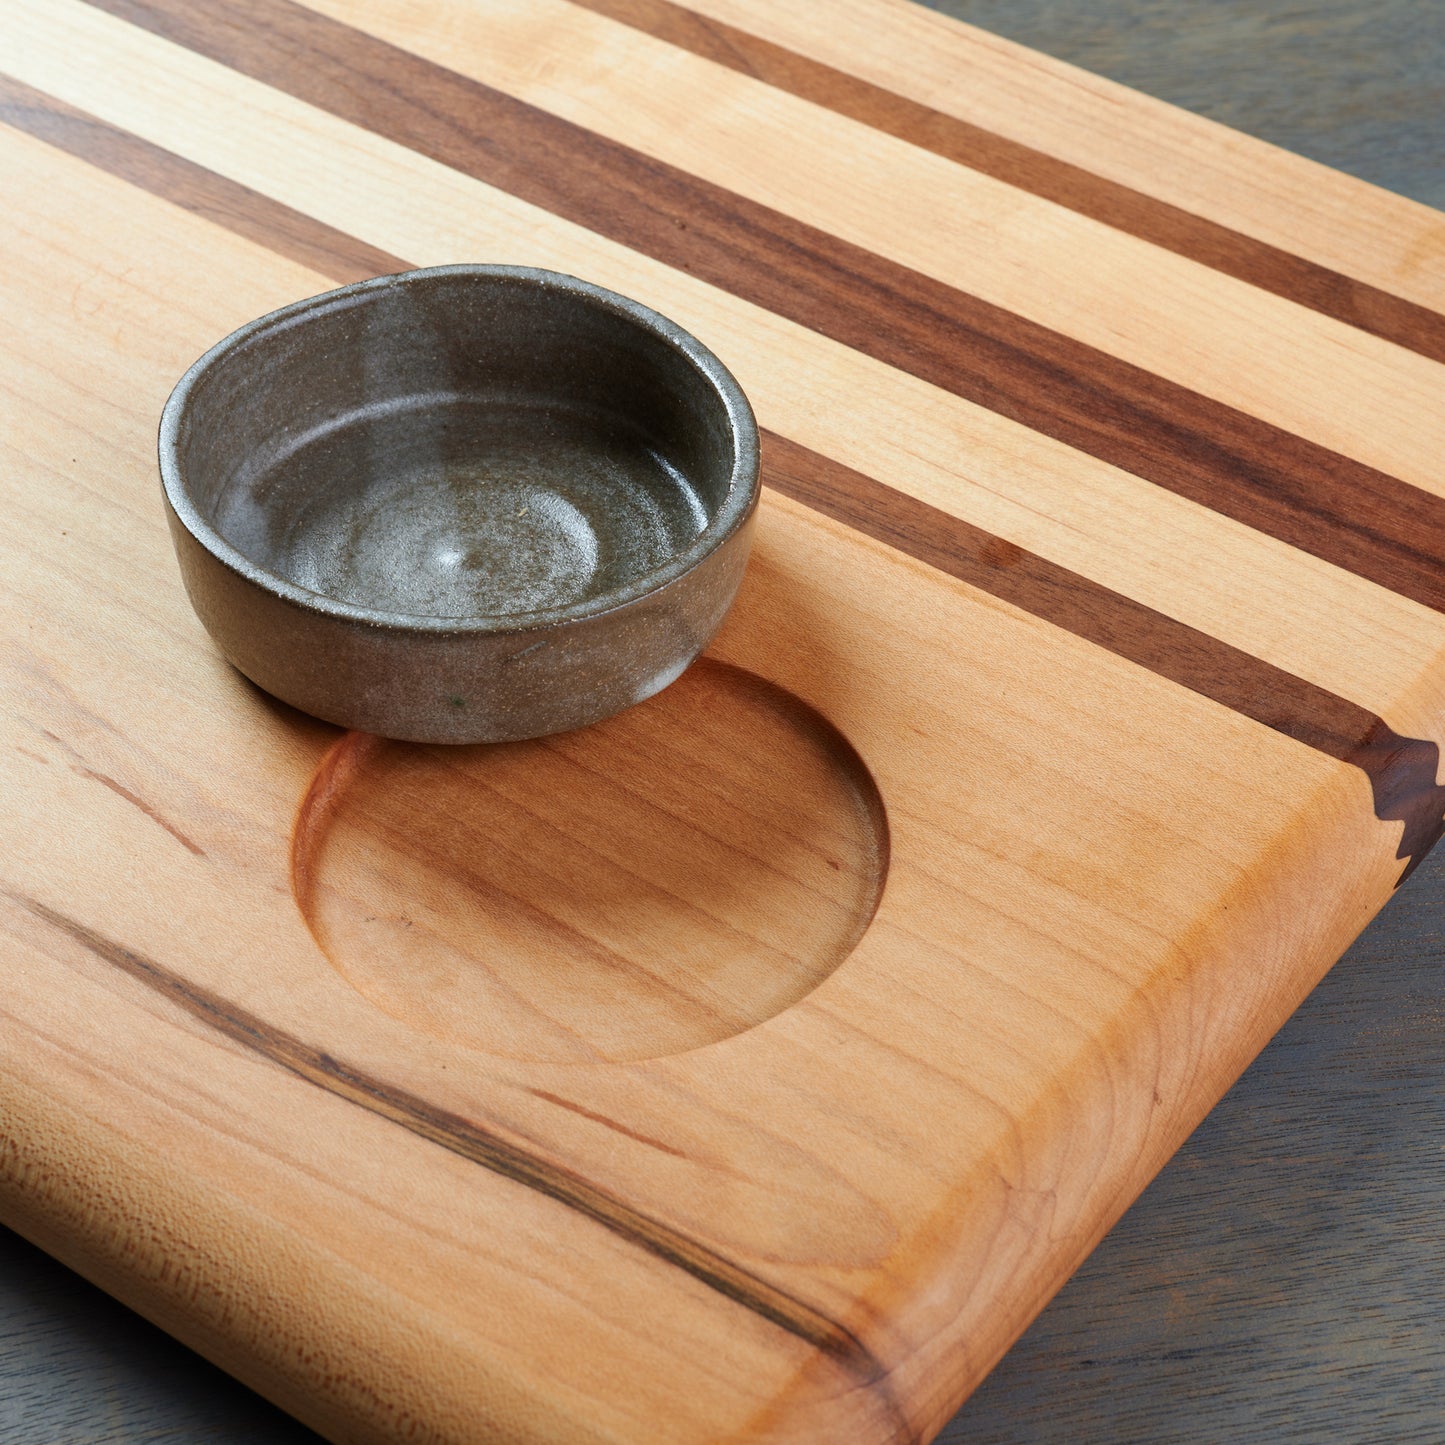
(1283, 1279)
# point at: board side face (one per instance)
(828, 1007)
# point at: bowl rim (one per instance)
(737, 505)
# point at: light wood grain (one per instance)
(670, 1126)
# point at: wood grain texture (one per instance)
(1076, 187)
(471, 1142)
(1402, 771)
(1103, 881)
(692, 890)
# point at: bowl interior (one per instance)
(459, 445)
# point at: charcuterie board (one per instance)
(756, 1064)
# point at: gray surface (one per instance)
(1282, 1280)
(1357, 84)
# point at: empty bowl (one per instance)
(462, 504)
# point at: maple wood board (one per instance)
(755, 1065)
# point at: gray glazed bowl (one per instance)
(463, 504)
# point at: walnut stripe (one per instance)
(1401, 770)
(248, 213)
(1356, 303)
(1342, 511)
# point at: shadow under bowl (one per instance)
(462, 504)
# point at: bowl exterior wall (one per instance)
(465, 686)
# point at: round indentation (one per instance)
(660, 881)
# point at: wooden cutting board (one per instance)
(755, 1065)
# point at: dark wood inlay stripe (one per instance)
(1349, 514)
(1357, 303)
(1401, 770)
(480, 1145)
(236, 207)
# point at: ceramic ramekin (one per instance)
(463, 504)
